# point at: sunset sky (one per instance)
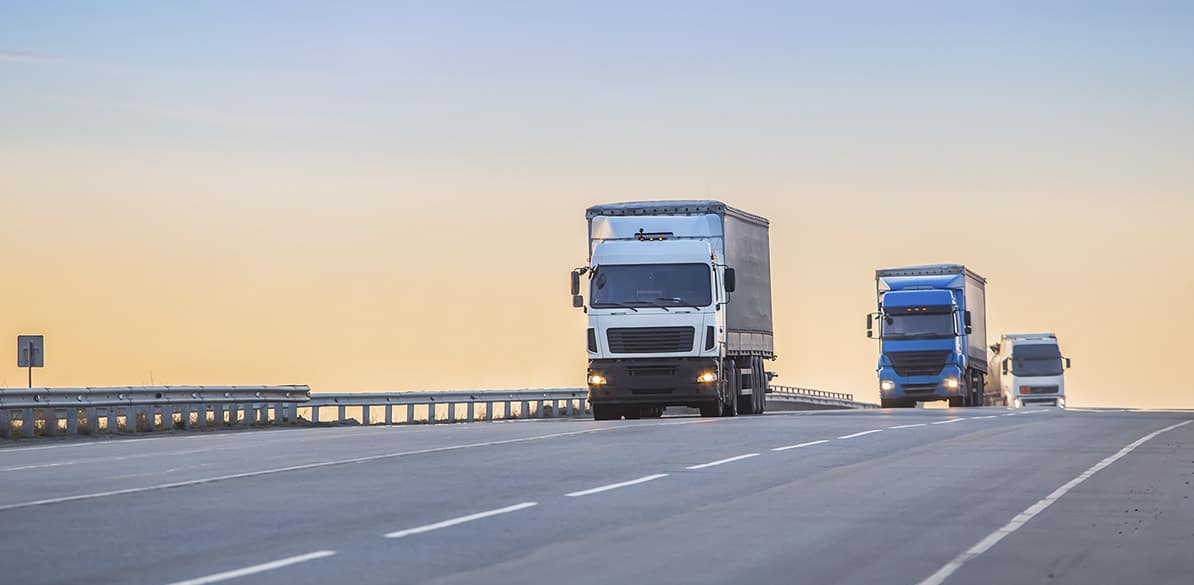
(388, 196)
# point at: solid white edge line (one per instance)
(614, 486)
(948, 420)
(721, 461)
(908, 426)
(982, 417)
(799, 445)
(1031, 512)
(278, 564)
(860, 434)
(460, 520)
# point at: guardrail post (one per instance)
(27, 426)
(410, 414)
(451, 411)
(92, 416)
(342, 413)
(389, 414)
(470, 409)
(51, 421)
(524, 409)
(431, 412)
(72, 421)
(5, 424)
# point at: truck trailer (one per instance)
(932, 328)
(1027, 369)
(679, 308)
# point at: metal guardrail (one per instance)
(449, 405)
(817, 397)
(55, 411)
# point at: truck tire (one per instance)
(732, 384)
(957, 401)
(746, 404)
(713, 409)
(761, 386)
(606, 412)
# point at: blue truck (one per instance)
(932, 327)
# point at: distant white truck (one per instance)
(1028, 369)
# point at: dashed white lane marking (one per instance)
(722, 461)
(947, 421)
(460, 520)
(799, 445)
(303, 467)
(860, 434)
(982, 417)
(1028, 514)
(614, 486)
(1009, 414)
(908, 426)
(278, 564)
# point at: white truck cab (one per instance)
(1028, 369)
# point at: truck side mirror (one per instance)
(870, 319)
(575, 285)
(1005, 360)
(578, 301)
(967, 317)
(1067, 363)
(731, 280)
(969, 330)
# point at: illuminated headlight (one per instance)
(951, 383)
(596, 380)
(1061, 402)
(1018, 403)
(887, 385)
(707, 377)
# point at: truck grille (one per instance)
(911, 389)
(651, 370)
(650, 339)
(1038, 390)
(918, 363)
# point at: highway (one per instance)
(913, 497)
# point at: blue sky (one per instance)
(240, 182)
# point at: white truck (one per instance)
(679, 308)
(1028, 369)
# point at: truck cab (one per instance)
(931, 324)
(1029, 369)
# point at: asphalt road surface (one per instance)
(915, 497)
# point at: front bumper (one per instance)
(655, 382)
(920, 387)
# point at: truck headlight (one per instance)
(596, 380)
(707, 377)
(887, 385)
(951, 383)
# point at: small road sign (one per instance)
(31, 353)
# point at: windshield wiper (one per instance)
(619, 305)
(679, 302)
(650, 304)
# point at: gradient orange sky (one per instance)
(389, 197)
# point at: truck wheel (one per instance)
(714, 409)
(732, 384)
(605, 412)
(761, 387)
(957, 401)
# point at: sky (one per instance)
(389, 195)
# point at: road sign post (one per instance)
(31, 353)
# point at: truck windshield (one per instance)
(1036, 360)
(934, 324)
(648, 285)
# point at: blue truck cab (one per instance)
(932, 328)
